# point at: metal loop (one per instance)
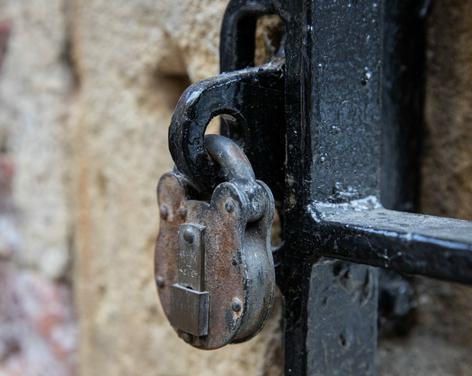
(235, 166)
(238, 44)
(232, 93)
(229, 156)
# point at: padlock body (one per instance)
(213, 264)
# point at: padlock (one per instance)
(213, 261)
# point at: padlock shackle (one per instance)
(229, 157)
(234, 166)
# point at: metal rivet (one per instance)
(164, 210)
(182, 212)
(236, 305)
(229, 205)
(160, 282)
(188, 235)
(186, 337)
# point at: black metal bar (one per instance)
(333, 103)
(338, 340)
(402, 121)
(408, 243)
(402, 103)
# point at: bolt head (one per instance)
(182, 212)
(186, 337)
(229, 205)
(164, 211)
(236, 305)
(189, 236)
(160, 281)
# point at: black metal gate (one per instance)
(331, 124)
(353, 74)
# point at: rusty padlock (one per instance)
(213, 261)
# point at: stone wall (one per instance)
(87, 89)
(37, 319)
(35, 94)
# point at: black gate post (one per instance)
(334, 92)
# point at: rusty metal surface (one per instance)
(191, 256)
(238, 271)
